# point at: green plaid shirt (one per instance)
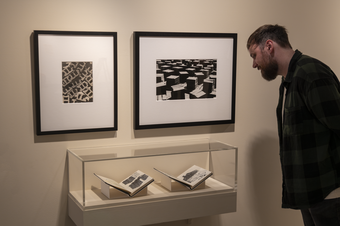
(309, 132)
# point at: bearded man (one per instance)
(308, 116)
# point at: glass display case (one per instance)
(89, 206)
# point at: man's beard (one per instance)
(270, 69)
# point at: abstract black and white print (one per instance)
(77, 82)
(180, 79)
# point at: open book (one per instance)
(192, 177)
(130, 185)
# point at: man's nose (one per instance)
(254, 64)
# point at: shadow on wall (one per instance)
(265, 179)
(182, 131)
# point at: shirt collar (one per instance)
(291, 67)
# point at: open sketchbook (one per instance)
(190, 178)
(130, 185)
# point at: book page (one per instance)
(194, 175)
(136, 181)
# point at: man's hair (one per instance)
(276, 33)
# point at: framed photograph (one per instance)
(184, 79)
(75, 81)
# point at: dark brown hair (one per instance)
(276, 33)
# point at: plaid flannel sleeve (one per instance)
(323, 97)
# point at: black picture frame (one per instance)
(75, 81)
(164, 96)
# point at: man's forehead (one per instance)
(253, 47)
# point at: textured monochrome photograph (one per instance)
(181, 79)
(77, 80)
(176, 76)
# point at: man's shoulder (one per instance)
(308, 61)
(311, 68)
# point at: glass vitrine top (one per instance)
(137, 150)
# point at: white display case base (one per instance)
(159, 205)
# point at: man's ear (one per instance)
(270, 46)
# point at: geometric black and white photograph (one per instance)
(183, 79)
(175, 79)
(77, 81)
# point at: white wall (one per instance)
(33, 185)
